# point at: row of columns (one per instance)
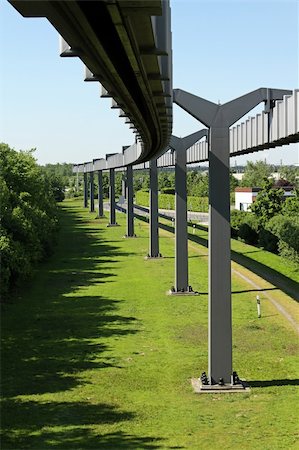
(218, 118)
(218, 182)
(127, 182)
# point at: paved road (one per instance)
(199, 217)
(203, 218)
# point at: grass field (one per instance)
(96, 356)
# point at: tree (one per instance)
(166, 180)
(197, 184)
(286, 229)
(28, 213)
(291, 174)
(256, 173)
(268, 202)
(233, 182)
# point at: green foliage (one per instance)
(286, 229)
(267, 240)
(198, 204)
(141, 180)
(197, 184)
(256, 173)
(91, 367)
(233, 183)
(28, 215)
(166, 179)
(142, 198)
(268, 202)
(167, 201)
(168, 191)
(56, 185)
(64, 170)
(274, 225)
(290, 206)
(236, 219)
(249, 228)
(291, 174)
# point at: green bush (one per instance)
(168, 191)
(267, 240)
(248, 230)
(286, 229)
(28, 215)
(236, 219)
(167, 201)
(198, 204)
(291, 206)
(142, 198)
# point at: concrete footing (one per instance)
(153, 257)
(200, 388)
(113, 225)
(188, 291)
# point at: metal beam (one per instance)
(219, 118)
(154, 223)
(85, 191)
(91, 191)
(100, 194)
(112, 221)
(180, 146)
(130, 206)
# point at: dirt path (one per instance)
(249, 278)
(278, 306)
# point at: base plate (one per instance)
(200, 388)
(170, 292)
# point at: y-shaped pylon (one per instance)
(219, 118)
(180, 146)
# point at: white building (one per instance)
(245, 196)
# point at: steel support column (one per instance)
(91, 191)
(85, 191)
(181, 234)
(180, 146)
(112, 221)
(219, 118)
(220, 320)
(154, 222)
(130, 206)
(100, 194)
(123, 185)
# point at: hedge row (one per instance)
(279, 235)
(167, 201)
(28, 216)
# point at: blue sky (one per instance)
(221, 50)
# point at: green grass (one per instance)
(96, 356)
(273, 268)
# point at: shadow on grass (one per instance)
(283, 282)
(51, 334)
(255, 290)
(67, 425)
(268, 383)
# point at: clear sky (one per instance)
(221, 50)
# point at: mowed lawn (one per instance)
(95, 355)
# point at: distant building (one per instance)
(245, 196)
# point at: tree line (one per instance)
(272, 223)
(29, 194)
(29, 221)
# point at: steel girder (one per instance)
(126, 46)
